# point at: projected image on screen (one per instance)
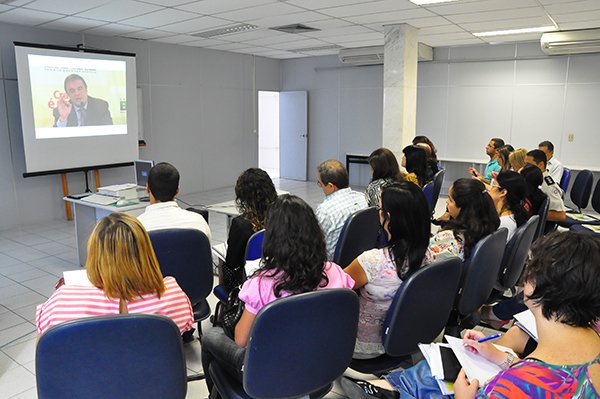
(77, 97)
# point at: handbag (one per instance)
(228, 314)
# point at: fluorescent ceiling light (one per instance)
(426, 2)
(539, 29)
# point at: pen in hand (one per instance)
(489, 338)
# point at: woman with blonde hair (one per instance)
(125, 278)
(516, 159)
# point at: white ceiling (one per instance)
(344, 23)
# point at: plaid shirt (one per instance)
(333, 212)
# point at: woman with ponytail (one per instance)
(508, 191)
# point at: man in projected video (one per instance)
(80, 109)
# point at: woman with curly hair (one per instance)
(254, 193)
(294, 261)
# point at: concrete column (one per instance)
(399, 86)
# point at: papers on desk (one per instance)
(595, 229)
(475, 366)
(526, 322)
(251, 266)
(581, 217)
(77, 277)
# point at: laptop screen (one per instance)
(142, 168)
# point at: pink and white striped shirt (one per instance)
(76, 302)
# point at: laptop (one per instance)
(142, 168)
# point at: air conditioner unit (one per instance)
(571, 42)
(373, 55)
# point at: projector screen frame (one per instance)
(79, 48)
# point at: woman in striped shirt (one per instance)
(125, 278)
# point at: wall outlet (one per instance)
(570, 137)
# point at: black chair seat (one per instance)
(201, 310)
(359, 234)
(378, 365)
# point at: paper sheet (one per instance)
(77, 277)
(526, 322)
(251, 266)
(435, 364)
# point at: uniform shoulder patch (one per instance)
(549, 180)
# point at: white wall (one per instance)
(199, 113)
(467, 95)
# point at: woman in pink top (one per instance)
(294, 261)
(125, 277)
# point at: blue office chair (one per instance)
(186, 255)
(564, 180)
(543, 216)
(117, 357)
(438, 181)
(428, 192)
(360, 233)
(418, 313)
(581, 190)
(298, 346)
(253, 252)
(479, 276)
(585, 218)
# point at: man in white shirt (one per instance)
(339, 203)
(554, 166)
(163, 212)
(556, 210)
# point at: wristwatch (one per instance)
(508, 362)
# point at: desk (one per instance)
(87, 214)
(356, 158)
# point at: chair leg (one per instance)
(196, 377)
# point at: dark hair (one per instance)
(515, 187)
(384, 164)
(478, 216)
(425, 140)
(254, 193)
(163, 181)
(409, 225)
(533, 180)
(565, 273)
(334, 172)
(294, 247)
(538, 156)
(504, 153)
(416, 162)
(509, 147)
(72, 77)
(498, 142)
(547, 144)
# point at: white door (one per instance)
(293, 134)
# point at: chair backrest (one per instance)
(515, 254)
(186, 255)
(480, 272)
(117, 357)
(564, 180)
(543, 215)
(255, 245)
(438, 180)
(301, 343)
(359, 234)
(596, 198)
(421, 306)
(582, 189)
(428, 192)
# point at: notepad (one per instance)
(77, 277)
(475, 366)
(526, 322)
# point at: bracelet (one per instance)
(508, 362)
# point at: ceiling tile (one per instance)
(577, 17)
(250, 35)
(330, 23)
(461, 7)
(391, 17)
(166, 3)
(118, 10)
(204, 42)
(368, 7)
(65, 7)
(176, 39)
(196, 25)
(162, 17)
(261, 11)
(319, 4)
(417, 23)
(72, 24)
(345, 30)
(304, 43)
(112, 30)
(229, 46)
(432, 30)
(210, 7)
(513, 38)
(344, 39)
(278, 20)
(572, 6)
(365, 43)
(275, 37)
(497, 15)
(579, 25)
(21, 16)
(147, 34)
(516, 23)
